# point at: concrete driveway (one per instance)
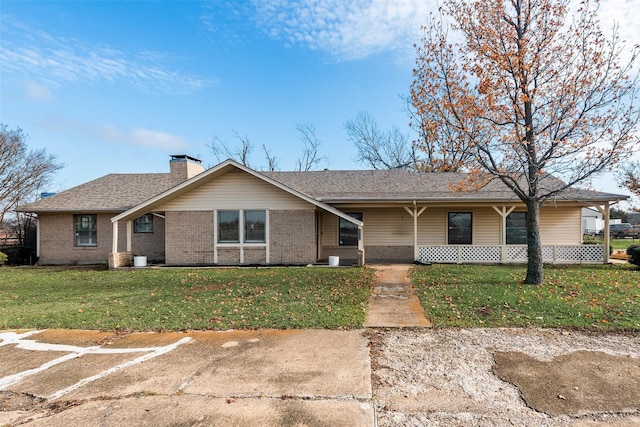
(247, 378)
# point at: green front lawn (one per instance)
(182, 299)
(593, 297)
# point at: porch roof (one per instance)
(404, 186)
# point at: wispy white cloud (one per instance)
(141, 137)
(37, 91)
(360, 28)
(57, 61)
(345, 30)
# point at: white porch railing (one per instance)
(560, 254)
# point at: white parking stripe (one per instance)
(160, 351)
(16, 378)
(11, 337)
(74, 352)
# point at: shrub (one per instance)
(634, 254)
(3, 258)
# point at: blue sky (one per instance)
(119, 86)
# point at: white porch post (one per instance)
(605, 211)
(361, 256)
(129, 232)
(114, 243)
(415, 214)
(504, 213)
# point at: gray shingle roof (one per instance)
(395, 185)
(120, 192)
(111, 193)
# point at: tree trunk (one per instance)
(535, 274)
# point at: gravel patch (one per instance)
(445, 377)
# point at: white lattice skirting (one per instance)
(510, 254)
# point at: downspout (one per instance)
(37, 237)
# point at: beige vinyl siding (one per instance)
(394, 226)
(329, 229)
(561, 225)
(382, 227)
(387, 227)
(235, 190)
(432, 227)
(486, 226)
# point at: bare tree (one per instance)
(380, 149)
(239, 153)
(310, 158)
(23, 172)
(272, 161)
(542, 102)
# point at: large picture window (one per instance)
(254, 226)
(143, 224)
(251, 222)
(517, 228)
(228, 226)
(86, 230)
(460, 228)
(349, 231)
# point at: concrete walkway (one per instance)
(393, 302)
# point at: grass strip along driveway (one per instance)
(182, 299)
(589, 297)
(601, 297)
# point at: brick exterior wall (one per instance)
(255, 255)
(150, 245)
(189, 237)
(292, 237)
(57, 241)
(349, 254)
(388, 253)
(229, 255)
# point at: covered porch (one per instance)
(505, 252)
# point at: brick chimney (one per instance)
(183, 167)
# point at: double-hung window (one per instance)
(85, 230)
(242, 226)
(459, 226)
(516, 228)
(143, 224)
(348, 234)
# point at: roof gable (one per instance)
(211, 174)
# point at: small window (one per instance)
(85, 228)
(143, 224)
(349, 231)
(517, 228)
(459, 226)
(254, 226)
(228, 227)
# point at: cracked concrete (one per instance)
(393, 302)
(252, 378)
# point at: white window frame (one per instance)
(241, 243)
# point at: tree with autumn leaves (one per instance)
(537, 95)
